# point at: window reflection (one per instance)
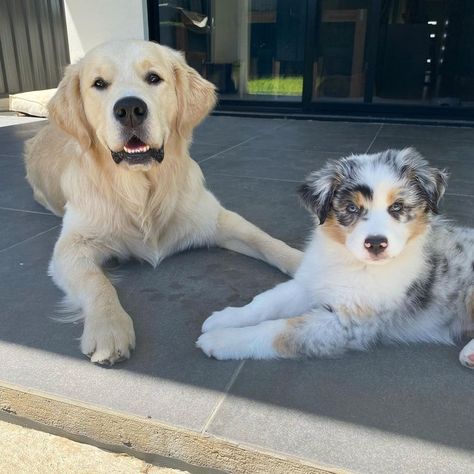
(249, 48)
(425, 52)
(339, 60)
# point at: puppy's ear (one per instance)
(196, 96)
(429, 182)
(317, 192)
(66, 110)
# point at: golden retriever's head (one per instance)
(131, 97)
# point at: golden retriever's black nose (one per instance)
(376, 244)
(130, 111)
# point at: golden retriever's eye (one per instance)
(100, 83)
(152, 78)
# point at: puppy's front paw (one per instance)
(228, 317)
(108, 338)
(253, 342)
(220, 344)
(466, 356)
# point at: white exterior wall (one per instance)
(91, 22)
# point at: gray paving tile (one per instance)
(395, 409)
(19, 226)
(202, 151)
(458, 208)
(339, 137)
(461, 175)
(12, 138)
(15, 192)
(233, 130)
(426, 132)
(435, 149)
(335, 127)
(166, 379)
(245, 161)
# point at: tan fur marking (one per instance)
(393, 195)
(335, 231)
(417, 226)
(356, 310)
(360, 200)
(285, 343)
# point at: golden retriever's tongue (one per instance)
(135, 145)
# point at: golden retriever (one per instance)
(114, 161)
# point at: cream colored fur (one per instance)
(148, 211)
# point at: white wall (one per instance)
(91, 22)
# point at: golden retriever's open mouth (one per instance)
(137, 152)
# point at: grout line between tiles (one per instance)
(373, 140)
(29, 238)
(309, 150)
(28, 211)
(223, 397)
(238, 144)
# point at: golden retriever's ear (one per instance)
(196, 96)
(65, 108)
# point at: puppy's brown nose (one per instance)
(376, 244)
(130, 111)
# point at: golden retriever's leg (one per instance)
(108, 330)
(237, 234)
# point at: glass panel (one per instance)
(339, 51)
(426, 52)
(185, 25)
(251, 49)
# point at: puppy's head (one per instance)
(375, 204)
(131, 97)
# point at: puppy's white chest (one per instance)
(351, 291)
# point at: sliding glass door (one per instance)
(323, 55)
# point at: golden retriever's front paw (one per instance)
(108, 339)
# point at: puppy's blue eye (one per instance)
(153, 78)
(396, 207)
(100, 83)
(352, 208)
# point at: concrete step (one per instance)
(120, 432)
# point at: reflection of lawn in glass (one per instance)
(276, 85)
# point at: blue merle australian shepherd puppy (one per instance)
(381, 266)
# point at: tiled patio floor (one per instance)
(395, 409)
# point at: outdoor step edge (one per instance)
(100, 426)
